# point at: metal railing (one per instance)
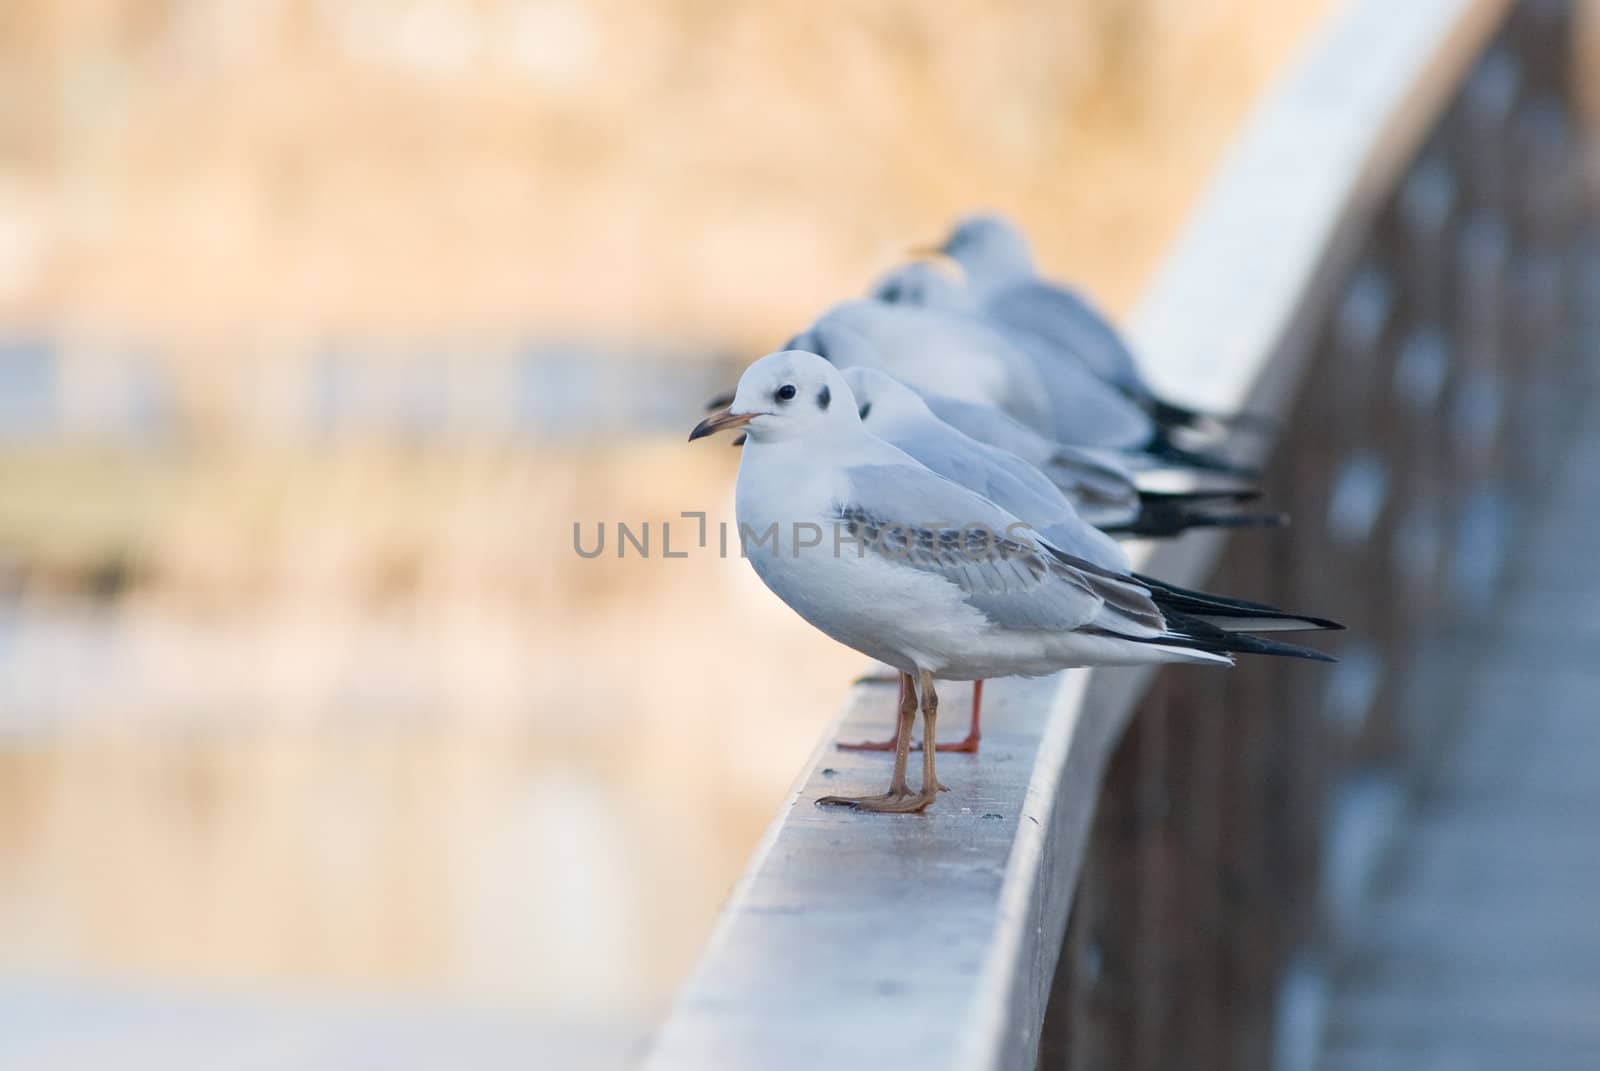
(1151, 869)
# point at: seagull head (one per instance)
(990, 249)
(790, 394)
(882, 400)
(923, 284)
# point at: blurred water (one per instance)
(194, 864)
(49, 1023)
(539, 390)
(29, 388)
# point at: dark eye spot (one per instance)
(824, 396)
(866, 408)
(785, 392)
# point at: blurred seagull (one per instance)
(1101, 485)
(1003, 286)
(1117, 490)
(960, 355)
(922, 283)
(1090, 413)
(939, 580)
(898, 415)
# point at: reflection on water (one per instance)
(404, 855)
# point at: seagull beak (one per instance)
(718, 422)
(922, 252)
(720, 401)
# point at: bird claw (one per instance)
(969, 746)
(887, 803)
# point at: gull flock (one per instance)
(941, 472)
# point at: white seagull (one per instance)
(898, 415)
(960, 355)
(1114, 489)
(1099, 477)
(1002, 285)
(1080, 494)
(893, 560)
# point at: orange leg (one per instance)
(968, 745)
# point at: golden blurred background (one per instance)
(322, 322)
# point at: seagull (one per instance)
(1096, 486)
(921, 283)
(1115, 490)
(889, 558)
(962, 356)
(1096, 416)
(1003, 286)
(898, 415)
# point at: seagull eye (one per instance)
(785, 392)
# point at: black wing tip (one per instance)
(1205, 636)
(1159, 520)
(1161, 588)
(1179, 603)
(1173, 415)
(1191, 603)
(1239, 520)
(1163, 448)
(1195, 635)
(1201, 497)
(1278, 649)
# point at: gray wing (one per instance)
(916, 518)
(1085, 408)
(951, 352)
(1016, 487)
(1065, 318)
(990, 425)
(1099, 484)
(1059, 520)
